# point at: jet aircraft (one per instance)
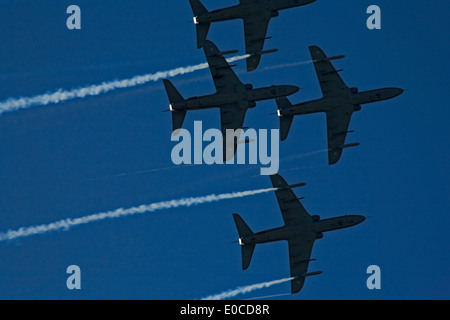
(232, 97)
(256, 15)
(300, 230)
(338, 102)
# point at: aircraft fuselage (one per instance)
(243, 96)
(244, 10)
(356, 99)
(312, 230)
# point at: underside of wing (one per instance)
(292, 210)
(255, 28)
(330, 81)
(232, 117)
(225, 80)
(338, 122)
(300, 249)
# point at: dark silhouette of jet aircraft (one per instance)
(338, 102)
(233, 98)
(300, 230)
(256, 15)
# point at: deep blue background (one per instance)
(67, 160)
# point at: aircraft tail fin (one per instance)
(247, 253)
(178, 119)
(285, 126)
(172, 92)
(242, 228)
(285, 121)
(283, 103)
(198, 8)
(246, 249)
(202, 33)
(202, 28)
(175, 97)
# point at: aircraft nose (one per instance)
(292, 89)
(397, 91)
(361, 219)
(400, 91)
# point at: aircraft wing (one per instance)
(330, 81)
(300, 249)
(338, 122)
(231, 117)
(225, 80)
(292, 210)
(255, 29)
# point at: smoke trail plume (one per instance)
(246, 289)
(287, 65)
(61, 95)
(66, 224)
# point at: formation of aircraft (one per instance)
(300, 230)
(234, 98)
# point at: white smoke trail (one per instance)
(286, 65)
(246, 289)
(61, 95)
(65, 224)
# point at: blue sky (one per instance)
(101, 153)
